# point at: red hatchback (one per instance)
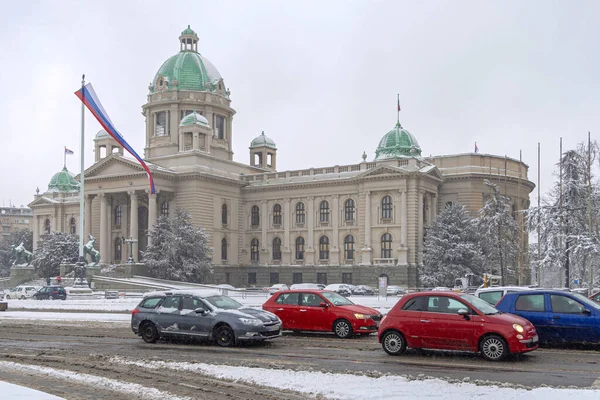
(322, 311)
(454, 321)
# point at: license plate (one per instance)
(273, 328)
(536, 338)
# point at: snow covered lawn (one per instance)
(10, 391)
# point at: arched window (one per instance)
(72, 226)
(300, 214)
(277, 214)
(386, 207)
(223, 249)
(254, 250)
(324, 211)
(299, 248)
(276, 249)
(425, 210)
(349, 247)
(118, 249)
(349, 210)
(324, 248)
(164, 209)
(224, 214)
(254, 216)
(118, 215)
(47, 226)
(386, 245)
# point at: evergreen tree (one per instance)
(499, 233)
(451, 248)
(53, 249)
(15, 238)
(178, 251)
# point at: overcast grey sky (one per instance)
(319, 77)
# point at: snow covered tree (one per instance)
(178, 251)
(53, 249)
(15, 238)
(451, 248)
(499, 232)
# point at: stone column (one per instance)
(103, 228)
(36, 231)
(420, 227)
(133, 224)
(309, 253)
(403, 219)
(152, 212)
(335, 248)
(434, 201)
(87, 218)
(287, 252)
(264, 221)
(368, 219)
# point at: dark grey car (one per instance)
(201, 314)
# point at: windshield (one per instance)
(482, 305)
(587, 301)
(336, 299)
(223, 302)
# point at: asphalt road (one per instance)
(87, 348)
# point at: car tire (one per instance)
(493, 348)
(148, 332)
(393, 343)
(22, 297)
(7, 297)
(342, 329)
(224, 336)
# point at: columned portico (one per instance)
(104, 246)
(152, 211)
(87, 219)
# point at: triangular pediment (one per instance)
(49, 201)
(113, 165)
(381, 170)
(435, 173)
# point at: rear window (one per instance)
(491, 297)
(415, 304)
(288, 298)
(150, 302)
(530, 302)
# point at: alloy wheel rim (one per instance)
(393, 343)
(342, 328)
(148, 333)
(224, 335)
(493, 348)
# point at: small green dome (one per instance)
(63, 181)
(263, 141)
(188, 31)
(101, 134)
(194, 119)
(397, 143)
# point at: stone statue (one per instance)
(21, 255)
(89, 249)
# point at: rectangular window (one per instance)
(185, 113)
(220, 126)
(161, 124)
(530, 302)
(297, 277)
(274, 278)
(251, 278)
(322, 278)
(347, 277)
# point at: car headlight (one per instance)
(359, 316)
(518, 328)
(251, 321)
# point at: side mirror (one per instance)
(323, 304)
(464, 312)
(200, 311)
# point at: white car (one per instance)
(276, 288)
(22, 292)
(493, 294)
(340, 288)
(297, 286)
(396, 291)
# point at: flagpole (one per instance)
(82, 175)
(398, 111)
(65, 157)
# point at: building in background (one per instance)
(338, 223)
(13, 218)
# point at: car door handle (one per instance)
(280, 309)
(556, 317)
(425, 321)
(302, 310)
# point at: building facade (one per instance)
(13, 218)
(341, 223)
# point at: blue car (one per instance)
(558, 317)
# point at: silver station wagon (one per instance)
(201, 314)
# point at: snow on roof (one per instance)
(190, 292)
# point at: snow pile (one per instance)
(10, 391)
(346, 386)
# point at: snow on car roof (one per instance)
(191, 292)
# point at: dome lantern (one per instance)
(188, 40)
(263, 152)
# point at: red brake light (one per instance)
(135, 311)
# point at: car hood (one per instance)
(507, 319)
(264, 316)
(355, 308)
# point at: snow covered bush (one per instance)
(53, 249)
(178, 251)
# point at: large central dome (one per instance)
(186, 70)
(397, 143)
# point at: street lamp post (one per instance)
(130, 241)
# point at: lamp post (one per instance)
(130, 241)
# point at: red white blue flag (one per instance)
(88, 96)
(68, 152)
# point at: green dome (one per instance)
(194, 119)
(63, 181)
(188, 31)
(186, 70)
(397, 143)
(101, 134)
(263, 141)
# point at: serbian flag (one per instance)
(398, 103)
(88, 96)
(68, 152)
(476, 148)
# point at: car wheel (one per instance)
(22, 297)
(149, 332)
(7, 297)
(493, 348)
(393, 343)
(342, 329)
(224, 336)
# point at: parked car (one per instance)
(364, 290)
(493, 294)
(340, 288)
(276, 288)
(51, 293)
(22, 292)
(441, 289)
(111, 294)
(297, 286)
(595, 297)
(454, 321)
(395, 291)
(560, 317)
(322, 311)
(321, 286)
(201, 314)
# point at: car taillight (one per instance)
(135, 311)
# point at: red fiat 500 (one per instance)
(454, 321)
(322, 310)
